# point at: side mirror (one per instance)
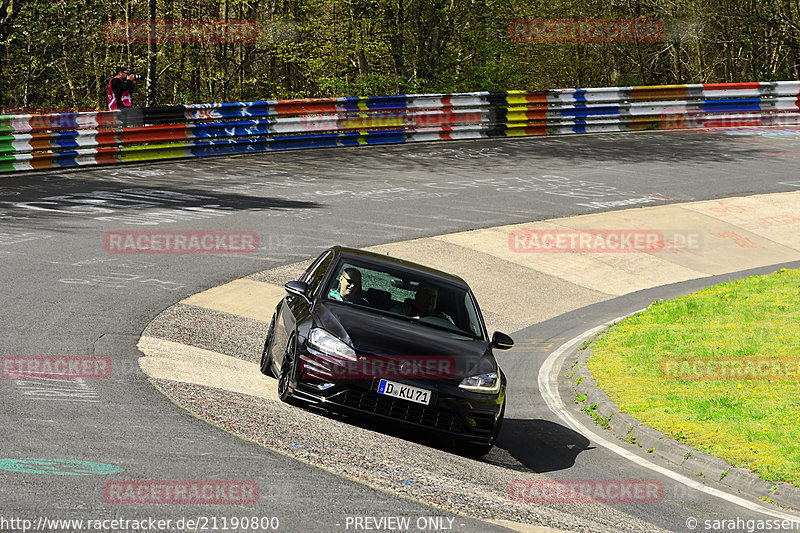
(502, 341)
(298, 288)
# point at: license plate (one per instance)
(406, 392)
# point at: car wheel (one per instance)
(472, 449)
(266, 360)
(285, 375)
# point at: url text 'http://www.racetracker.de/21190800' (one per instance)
(142, 524)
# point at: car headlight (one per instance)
(488, 383)
(321, 340)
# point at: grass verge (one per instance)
(716, 369)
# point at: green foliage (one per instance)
(56, 53)
(591, 410)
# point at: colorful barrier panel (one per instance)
(29, 142)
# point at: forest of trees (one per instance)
(58, 53)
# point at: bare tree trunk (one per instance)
(8, 13)
(128, 36)
(150, 97)
(793, 57)
(70, 82)
(397, 40)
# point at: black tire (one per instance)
(472, 449)
(286, 374)
(266, 360)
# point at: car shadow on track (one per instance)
(539, 445)
(542, 445)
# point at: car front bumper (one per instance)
(469, 417)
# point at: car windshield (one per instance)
(407, 295)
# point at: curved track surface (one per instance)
(66, 295)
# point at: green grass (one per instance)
(752, 423)
(591, 410)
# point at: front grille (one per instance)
(400, 409)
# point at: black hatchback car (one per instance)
(364, 333)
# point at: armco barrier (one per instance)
(30, 142)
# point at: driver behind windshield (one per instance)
(424, 304)
(348, 287)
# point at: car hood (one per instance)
(376, 335)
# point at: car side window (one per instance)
(316, 273)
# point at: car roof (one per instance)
(381, 259)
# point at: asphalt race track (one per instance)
(66, 295)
